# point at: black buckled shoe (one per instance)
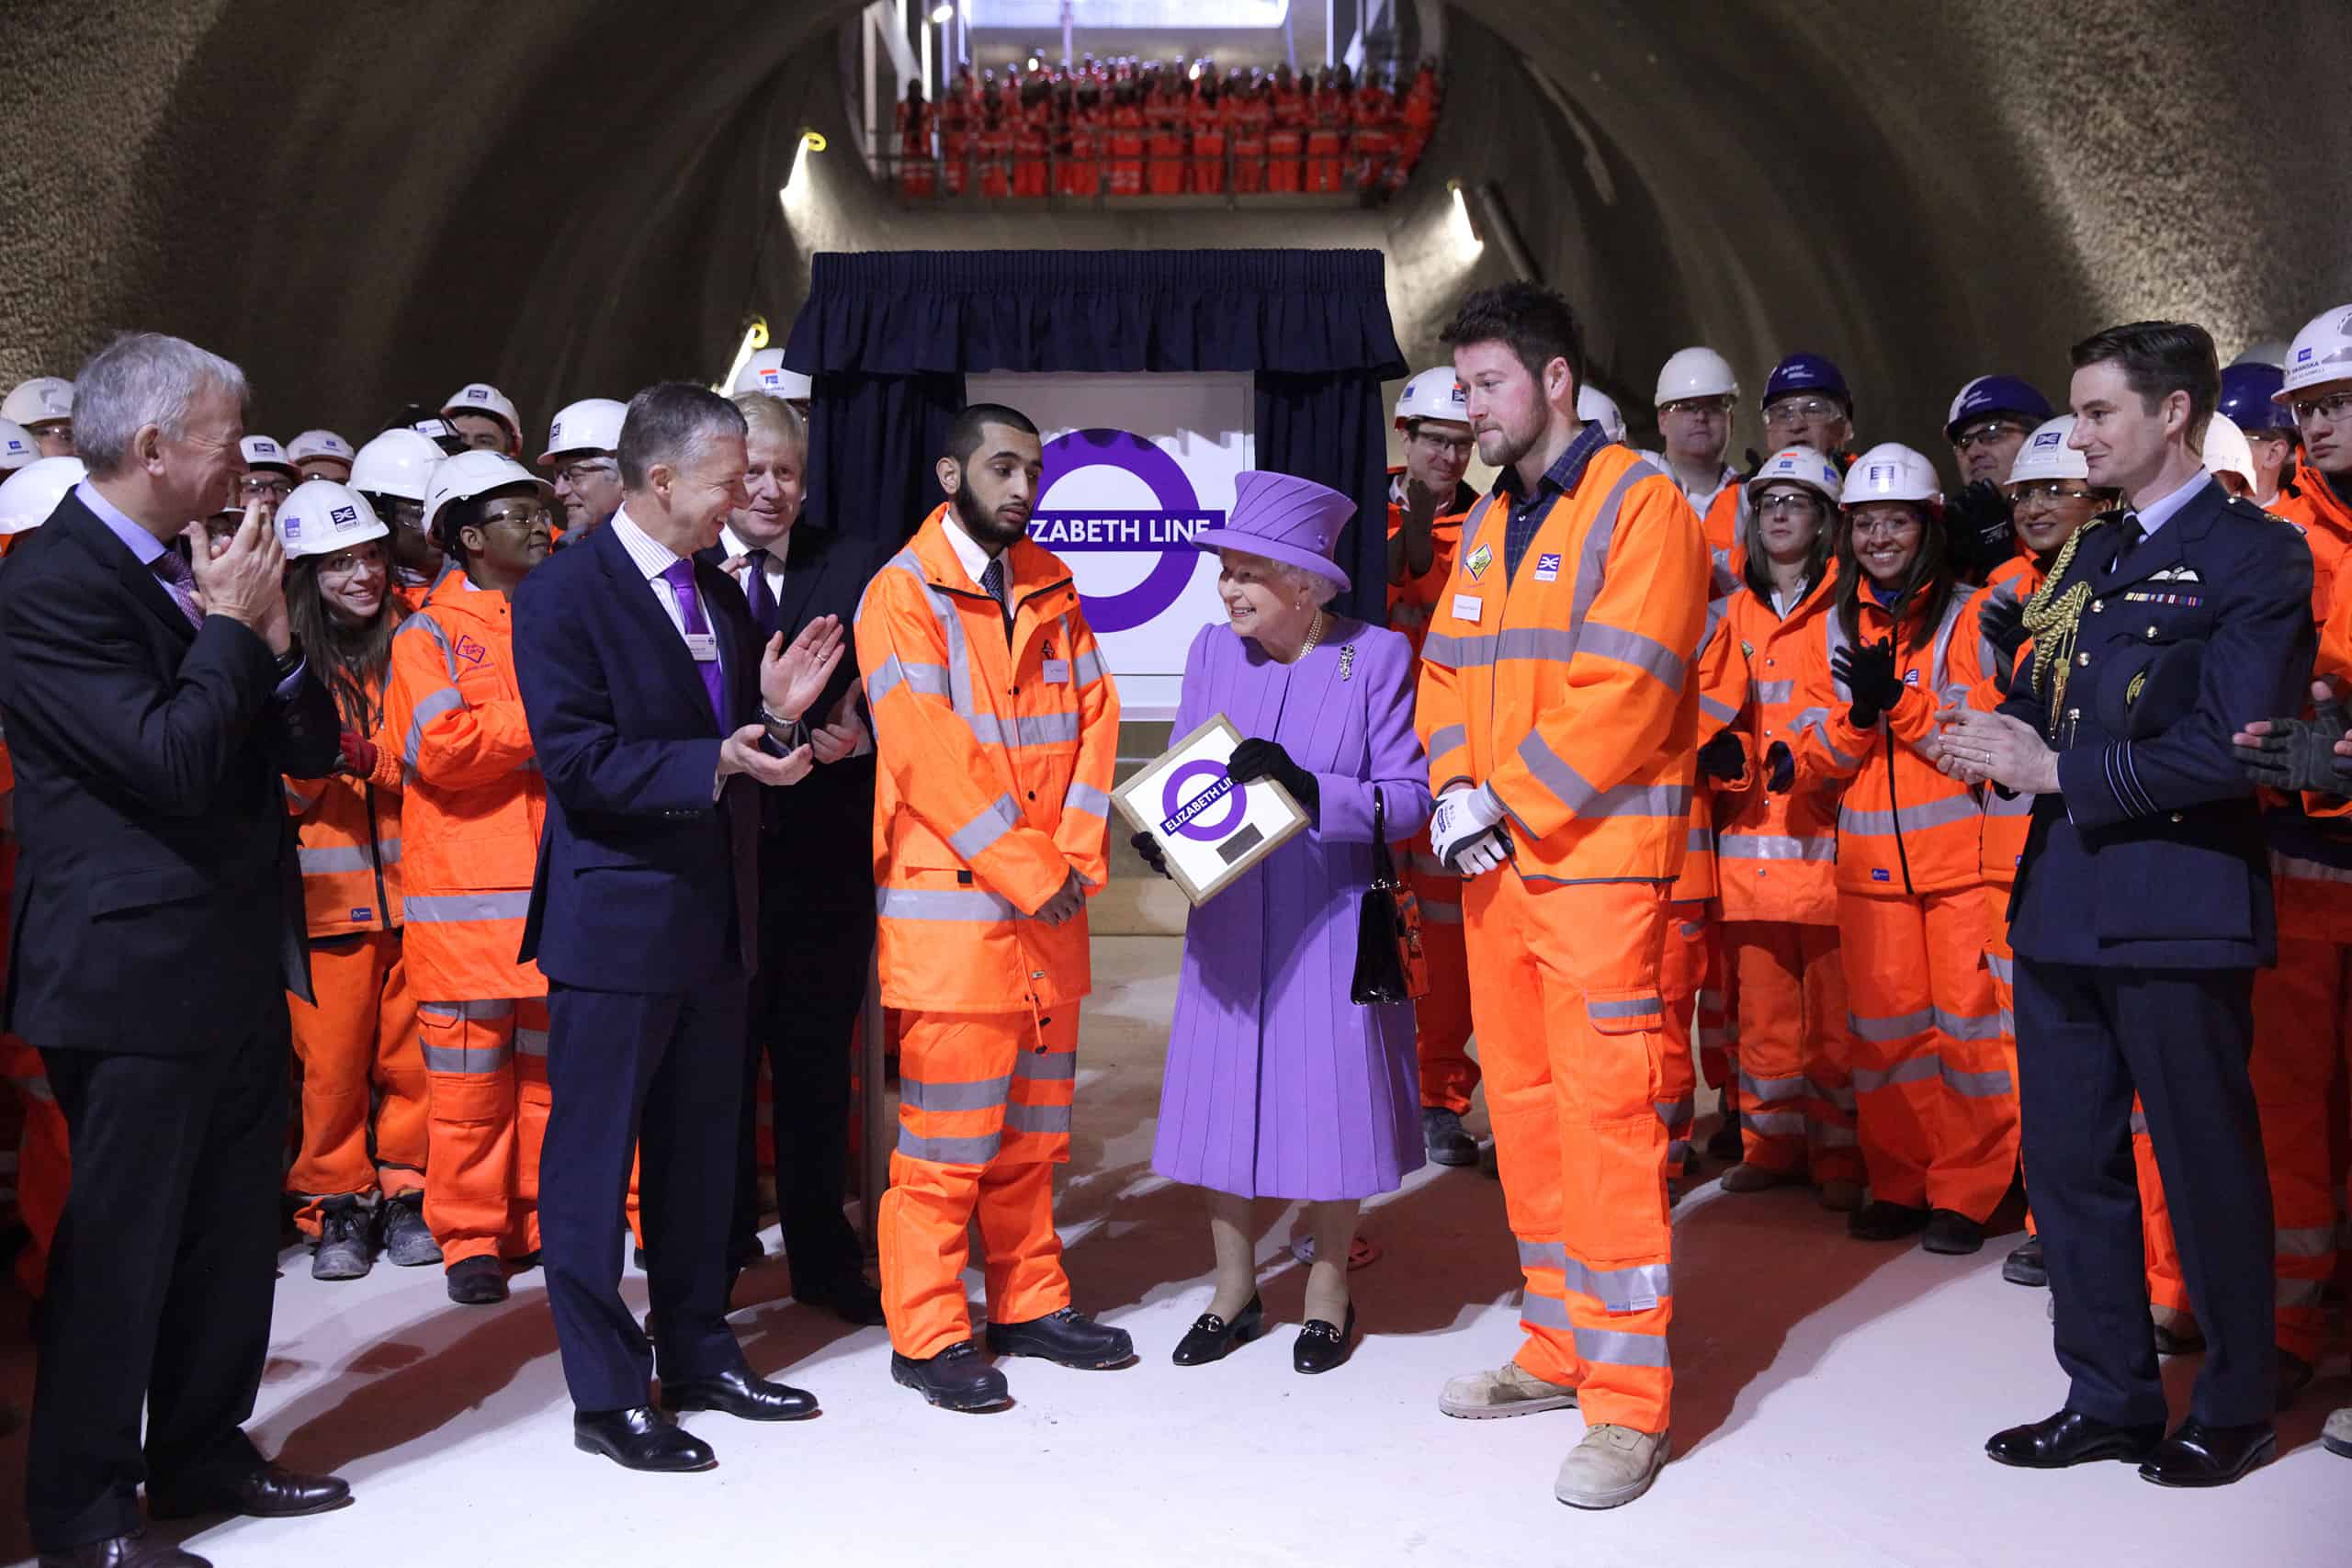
(1211, 1339)
(2072, 1438)
(1952, 1233)
(2025, 1265)
(2198, 1455)
(1881, 1221)
(267, 1492)
(132, 1550)
(640, 1437)
(1443, 1139)
(956, 1379)
(408, 1240)
(1069, 1338)
(741, 1395)
(1320, 1346)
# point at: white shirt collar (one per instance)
(653, 557)
(975, 559)
(2158, 512)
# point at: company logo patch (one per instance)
(2048, 438)
(1479, 561)
(1547, 568)
(2303, 356)
(769, 376)
(265, 447)
(1746, 649)
(1880, 476)
(471, 650)
(344, 514)
(477, 394)
(293, 527)
(363, 914)
(555, 435)
(1880, 874)
(1910, 677)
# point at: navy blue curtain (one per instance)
(888, 337)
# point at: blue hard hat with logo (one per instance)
(1806, 373)
(2249, 394)
(1994, 394)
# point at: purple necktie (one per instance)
(681, 577)
(180, 578)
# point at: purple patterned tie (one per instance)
(680, 575)
(180, 578)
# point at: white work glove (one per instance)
(1464, 815)
(1482, 854)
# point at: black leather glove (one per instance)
(1148, 847)
(1868, 672)
(2003, 620)
(2300, 754)
(1978, 533)
(1780, 768)
(1722, 758)
(1256, 759)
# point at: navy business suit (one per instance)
(643, 916)
(2142, 904)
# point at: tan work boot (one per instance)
(1840, 1196)
(2337, 1436)
(1747, 1177)
(1613, 1466)
(1510, 1390)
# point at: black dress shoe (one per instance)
(2198, 1455)
(2025, 1265)
(740, 1395)
(1320, 1346)
(1952, 1233)
(133, 1550)
(847, 1297)
(956, 1379)
(639, 1438)
(1882, 1221)
(1068, 1336)
(2072, 1438)
(268, 1492)
(1211, 1339)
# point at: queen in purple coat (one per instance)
(1278, 1085)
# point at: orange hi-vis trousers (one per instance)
(44, 1161)
(984, 1113)
(487, 1063)
(1934, 1105)
(1442, 1019)
(357, 1044)
(1691, 988)
(1563, 984)
(1796, 1097)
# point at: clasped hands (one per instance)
(791, 679)
(2296, 755)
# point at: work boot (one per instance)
(340, 1251)
(2025, 1265)
(956, 1379)
(1881, 1221)
(477, 1281)
(1952, 1233)
(1442, 1136)
(1724, 1143)
(1510, 1390)
(1747, 1177)
(2337, 1436)
(1069, 1338)
(1839, 1195)
(408, 1240)
(1613, 1465)
(2176, 1333)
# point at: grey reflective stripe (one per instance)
(469, 1059)
(1993, 1084)
(1617, 1348)
(1674, 1114)
(1047, 1119)
(467, 1009)
(979, 1094)
(1087, 668)
(1774, 846)
(432, 707)
(2003, 969)
(929, 679)
(1545, 1311)
(949, 1151)
(2013, 806)
(1028, 730)
(1450, 652)
(1811, 717)
(2300, 1292)
(1720, 712)
(1543, 1254)
(1565, 782)
(1833, 1137)
(2290, 866)
(1927, 1066)
(1776, 690)
(1701, 841)
(1839, 1095)
(1630, 1007)
(325, 860)
(1645, 654)
(1553, 643)
(1962, 1026)
(2139, 1123)
(423, 621)
(1768, 1089)
(431, 908)
(1941, 813)
(1636, 1288)
(1446, 738)
(388, 851)
(1046, 1066)
(1939, 657)
(530, 1041)
(1881, 1029)
(2310, 1241)
(996, 818)
(37, 1087)
(1427, 865)
(968, 904)
(1773, 1123)
(1575, 792)
(1084, 796)
(1476, 523)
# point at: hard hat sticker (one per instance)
(344, 514)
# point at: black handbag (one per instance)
(1390, 964)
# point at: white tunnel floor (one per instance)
(1832, 1401)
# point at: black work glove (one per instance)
(1780, 768)
(1255, 758)
(1148, 847)
(1978, 533)
(2003, 621)
(1868, 672)
(1755, 466)
(2300, 754)
(1722, 758)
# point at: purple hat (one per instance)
(1285, 519)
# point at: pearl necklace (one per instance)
(1313, 635)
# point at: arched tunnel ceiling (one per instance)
(374, 201)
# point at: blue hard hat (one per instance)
(2247, 396)
(1805, 373)
(1994, 394)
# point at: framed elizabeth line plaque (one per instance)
(1210, 829)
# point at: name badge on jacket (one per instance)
(704, 647)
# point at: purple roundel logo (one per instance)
(1167, 530)
(1183, 817)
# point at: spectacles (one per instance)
(521, 517)
(1789, 410)
(581, 472)
(2332, 408)
(1697, 408)
(1787, 501)
(1891, 525)
(1458, 445)
(2049, 492)
(343, 563)
(1991, 435)
(253, 487)
(402, 513)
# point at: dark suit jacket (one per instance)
(158, 904)
(2153, 856)
(819, 834)
(640, 871)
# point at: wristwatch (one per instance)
(787, 735)
(291, 659)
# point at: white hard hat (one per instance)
(18, 446)
(397, 462)
(1433, 394)
(2263, 351)
(591, 425)
(261, 451)
(2321, 352)
(319, 444)
(1891, 471)
(2228, 452)
(1801, 466)
(1695, 373)
(321, 517)
(32, 493)
(480, 396)
(39, 401)
(469, 474)
(1598, 407)
(2046, 455)
(764, 372)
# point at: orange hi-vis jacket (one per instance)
(1903, 827)
(1411, 602)
(349, 833)
(1776, 854)
(1566, 690)
(995, 776)
(474, 798)
(1978, 664)
(2326, 522)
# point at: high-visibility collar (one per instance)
(1029, 568)
(1566, 470)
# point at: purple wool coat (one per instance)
(1277, 1085)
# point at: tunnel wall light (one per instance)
(1493, 220)
(942, 15)
(755, 338)
(1461, 226)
